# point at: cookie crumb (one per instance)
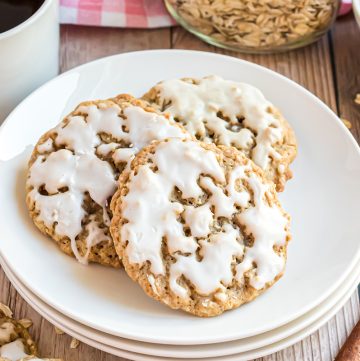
(25, 322)
(357, 98)
(58, 331)
(6, 310)
(74, 343)
(347, 123)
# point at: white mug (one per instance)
(29, 55)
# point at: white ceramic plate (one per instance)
(192, 352)
(73, 329)
(323, 200)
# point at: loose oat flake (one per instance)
(74, 343)
(347, 123)
(357, 98)
(58, 331)
(25, 322)
(5, 310)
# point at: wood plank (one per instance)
(306, 349)
(340, 327)
(315, 346)
(324, 343)
(346, 40)
(288, 354)
(80, 44)
(297, 350)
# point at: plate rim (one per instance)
(343, 291)
(294, 338)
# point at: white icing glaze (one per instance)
(119, 155)
(63, 208)
(198, 106)
(267, 225)
(124, 155)
(199, 220)
(195, 160)
(239, 198)
(106, 148)
(144, 127)
(64, 169)
(47, 146)
(95, 235)
(151, 279)
(221, 296)
(214, 270)
(224, 206)
(80, 170)
(153, 214)
(82, 135)
(13, 351)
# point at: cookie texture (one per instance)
(74, 168)
(199, 226)
(230, 113)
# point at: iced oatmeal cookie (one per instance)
(74, 168)
(231, 113)
(199, 227)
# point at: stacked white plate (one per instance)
(104, 308)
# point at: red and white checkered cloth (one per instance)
(115, 13)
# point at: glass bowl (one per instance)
(255, 26)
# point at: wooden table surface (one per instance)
(330, 69)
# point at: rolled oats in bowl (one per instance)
(255, 25)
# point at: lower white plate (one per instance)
(222, 351)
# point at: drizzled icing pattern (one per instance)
(203, 107)
(60, 179)
(152, 213)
